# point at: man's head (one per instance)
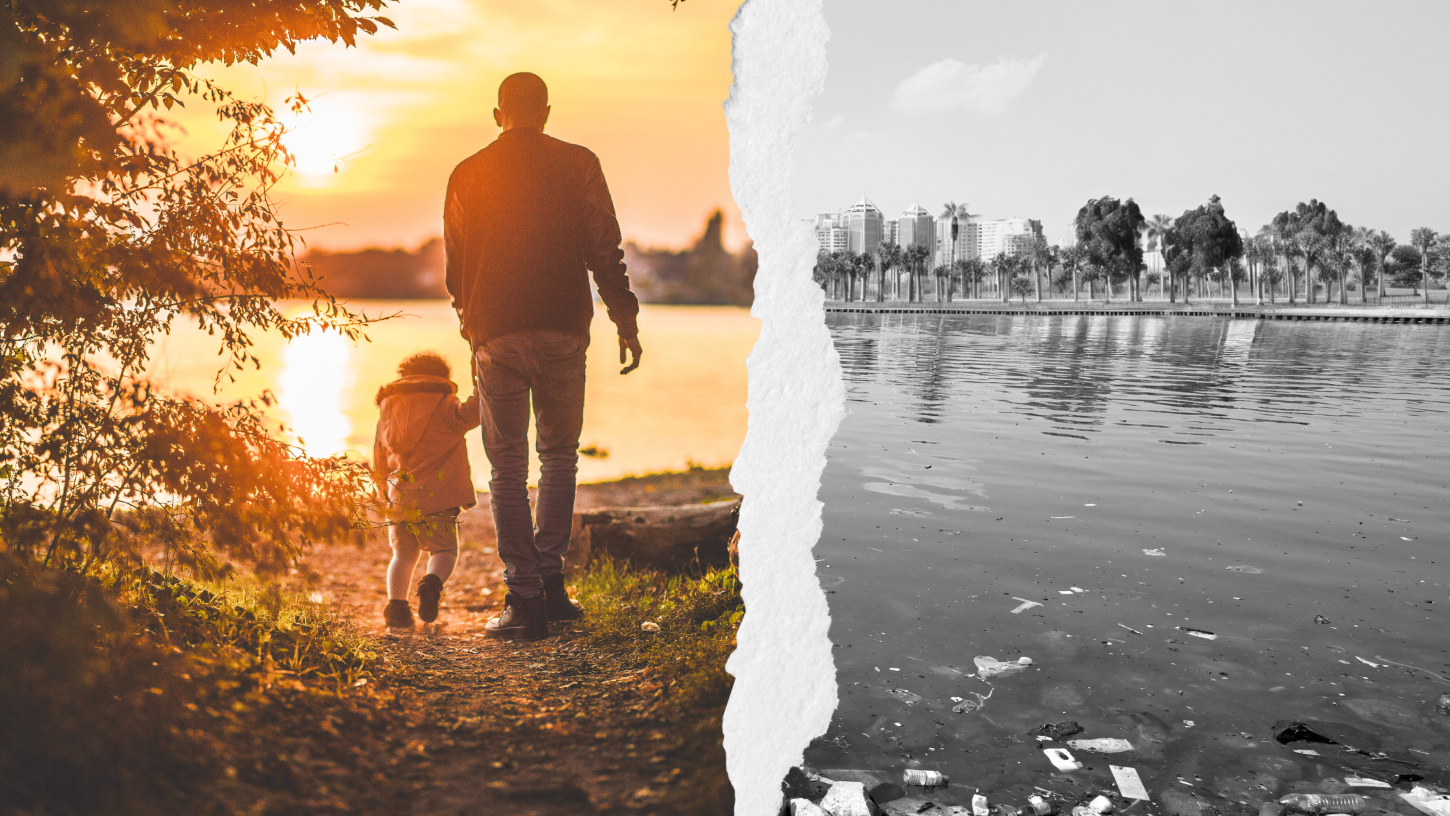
(523, 102)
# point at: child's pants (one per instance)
(437, 533)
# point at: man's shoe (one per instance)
(558, 606)
(397, 615)
(430, 589)
(522, 619)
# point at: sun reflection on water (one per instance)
(315, 372)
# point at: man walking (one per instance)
(524, 218)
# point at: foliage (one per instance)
(264, 633)
(78, 75)
(107, 236)
(71, 663)
(1107, 230)
(1310, 231)
(705, 273)
(697, 617)
(1202, 240)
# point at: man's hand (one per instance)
(625, 346)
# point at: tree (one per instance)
(888, 256)
(1423, 239)
(973, 270)
(1202, 240)
(1382, 244)
(1043, 256)
(108, 235)
(1108, 230)
(1072, 259)
(1315, 230)
(1155, 228)
(956, 215)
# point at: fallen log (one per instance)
(670, 537)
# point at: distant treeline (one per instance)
(706, 273)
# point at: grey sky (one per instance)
(1029, 108)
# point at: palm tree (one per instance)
(1423, 239)
(1155, 228)
(1382, 244)
(1071, 258)
(1285, 229)
(888, 255)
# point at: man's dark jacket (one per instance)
(523, 220)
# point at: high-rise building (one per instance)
(945, 252)
(891, 231)
(863, 222)
(830, 232)
(916, 227)
(1011, 236)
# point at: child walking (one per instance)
(420, 465)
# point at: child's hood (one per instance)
(413, 401)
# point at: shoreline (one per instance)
(1244, 311)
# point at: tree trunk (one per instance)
(1076, 290)
(1425, 273)
(671, 537)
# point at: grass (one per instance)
(171, 669)
(697, 618)
(258, 630)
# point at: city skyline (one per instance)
(1038, 108)
(863, 226)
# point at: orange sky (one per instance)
(640, 85)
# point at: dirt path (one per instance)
(477, 726)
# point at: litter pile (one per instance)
(1300, 766)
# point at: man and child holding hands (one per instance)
(525, 221)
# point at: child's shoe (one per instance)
(397, 615)
(430, 589)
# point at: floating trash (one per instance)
(1201, 633)
(1056, 730)
(1026, 604)
(1158, 551)
(1062, 759)
(1102, 745)
(1129, 785)
(992, 667)
(1325, 803)
(926, 779)
(1245, 568)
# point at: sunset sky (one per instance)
(640, 85)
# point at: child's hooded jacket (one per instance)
(420, 452)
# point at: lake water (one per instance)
(1279, 486)
(685, 403)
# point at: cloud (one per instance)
(950, 84)
(833, 123)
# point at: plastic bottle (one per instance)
(1325, 803)
(928, 779)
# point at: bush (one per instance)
(84, 727)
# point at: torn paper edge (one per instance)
(785, 687)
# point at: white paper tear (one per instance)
(785, 690)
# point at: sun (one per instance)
(322, 139)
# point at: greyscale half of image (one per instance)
(1140, 504)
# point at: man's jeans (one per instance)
(550, 364)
